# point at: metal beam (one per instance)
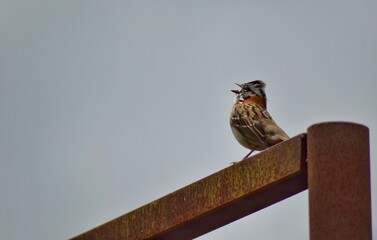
(223, 197)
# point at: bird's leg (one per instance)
(232, 163)
(248, 155)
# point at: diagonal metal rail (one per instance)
(223, 197)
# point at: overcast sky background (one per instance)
(109, 105)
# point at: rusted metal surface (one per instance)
(232, 193)
(339, 181)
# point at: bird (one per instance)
(251, 124)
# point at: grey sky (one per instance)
(108, 105)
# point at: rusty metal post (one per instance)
(339, 181)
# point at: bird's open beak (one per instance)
(237, 91)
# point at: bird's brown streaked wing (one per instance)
(247, 122)
(273, 132)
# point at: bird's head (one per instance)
(252, 91)
(253, 88)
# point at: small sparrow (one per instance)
(251, 124)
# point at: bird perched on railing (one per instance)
(251, 124)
